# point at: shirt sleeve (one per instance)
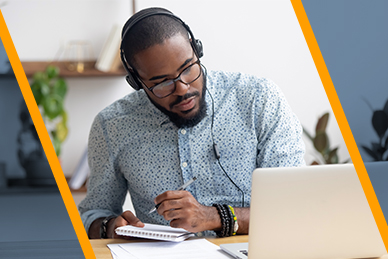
(107, 187)
(279, 131)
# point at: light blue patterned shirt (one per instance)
(135, 147)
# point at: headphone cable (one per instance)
(216, 152)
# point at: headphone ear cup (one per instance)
(132, 81)
(198, 46)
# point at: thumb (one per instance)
(132, 219)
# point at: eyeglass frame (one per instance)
(174, 80)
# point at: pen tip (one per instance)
(194, 178)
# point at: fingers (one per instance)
(130, 219)
(170, 195)
(173, 200)
(126, 218)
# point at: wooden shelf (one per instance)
(31, 67)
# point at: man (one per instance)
(183, 122)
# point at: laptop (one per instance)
(309, 212)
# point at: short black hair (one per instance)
(148, 32)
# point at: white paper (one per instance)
(197, 248)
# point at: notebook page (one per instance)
(155, 232)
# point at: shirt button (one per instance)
(183, 131)
(184, 164)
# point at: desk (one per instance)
(102, 251)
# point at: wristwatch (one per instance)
(104, 226)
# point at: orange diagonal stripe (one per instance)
(45, 139)
(341, 119)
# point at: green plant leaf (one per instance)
(44, 89)
(375, 147)
(35, 88)
(57, 146)
(40, 77)
(61, 131)
(322, 123)
(53, 106)
(371, 153)
(60, 88)
(320, 141)
(64, 116)
(380, 122)
(52, 71)
(308, 134)
(333, 157)
(347, 161)
(386, 108)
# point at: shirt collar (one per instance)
(157, 116)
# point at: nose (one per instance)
(181, 88)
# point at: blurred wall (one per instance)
(352, 36)
(257, 37)
(353, 39)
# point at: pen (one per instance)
(184, 186)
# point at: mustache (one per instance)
(184, 97)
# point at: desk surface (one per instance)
(102, 251)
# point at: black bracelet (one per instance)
(225, 221)
(231, 221)
(104, 226)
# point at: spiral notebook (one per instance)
(157, 232)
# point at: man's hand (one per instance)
(186, 212)
(126, 218)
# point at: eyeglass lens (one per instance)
(187, 76)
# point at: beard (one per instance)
(190, 121)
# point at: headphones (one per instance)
(132, 77)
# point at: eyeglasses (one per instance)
(187, 76)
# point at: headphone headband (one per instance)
(137, 17)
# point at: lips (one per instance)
(186, 105)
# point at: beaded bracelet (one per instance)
(235, 225)
(230, 226)
(225, 221)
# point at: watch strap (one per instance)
(104, 226)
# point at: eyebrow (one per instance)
(179, 68)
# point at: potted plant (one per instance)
(379, 150)
(321, 143)
(49, 91)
